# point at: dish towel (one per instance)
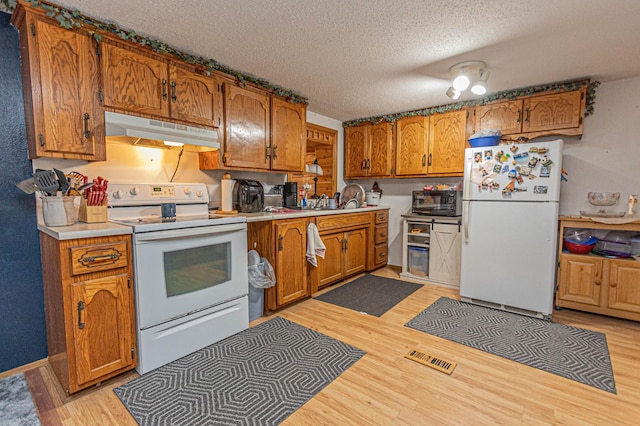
(315, 246)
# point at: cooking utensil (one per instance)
(62, 181)
(28, 185)
(46, 181)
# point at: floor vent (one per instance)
(431, 361)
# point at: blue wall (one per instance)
(22, 323)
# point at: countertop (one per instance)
(84, 230)
(263, 216)
(104, 229)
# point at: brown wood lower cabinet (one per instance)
(598, 284)
(88, 290)
(355, 243)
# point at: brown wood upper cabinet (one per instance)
(60, 86)
(262, 132)
(137, 82)
(539, 115)
(368, 151)
(412, 146)
(447, 142)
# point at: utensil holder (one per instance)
(58, 211)
(92, 214)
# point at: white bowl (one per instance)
(603, 198)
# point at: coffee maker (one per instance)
(291, 195)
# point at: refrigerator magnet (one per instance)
(546, 161)
(495, 185)
(533, 162)
(488, 154)
(533, 149)
(505, 169)
(542, 151)
(523, 156)
(499, 156)
(497, 168)
(513, 149)
(540, 189)
(477, 157)
(545, 172)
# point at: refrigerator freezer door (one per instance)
(517, 172)
(509, 254)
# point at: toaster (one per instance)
(248, 196)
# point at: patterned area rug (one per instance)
(570, 352)
(370, 294)
(16, 405)
(256, 377)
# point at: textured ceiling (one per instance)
(359, 58)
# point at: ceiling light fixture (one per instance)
(465, 74)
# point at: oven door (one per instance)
(181, 271)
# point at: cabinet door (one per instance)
(504, 116)
(288, 135)
(624, 285)
(193, 97)
(580, 279)
(444, 255)
(68, 121)
(355, 254)
(248, 134)
(355, 151)
(330, 268)
(447, 141)
(552, 112)
(134, 82)
(412, 146)
(291, 261)
(380, 155)
(102, 327)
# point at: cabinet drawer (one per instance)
(382, 216)
(325, 223)
(380, 253)
(98, 257)
(380, 235)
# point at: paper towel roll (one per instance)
(227, 195)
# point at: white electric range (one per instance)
(191, 283)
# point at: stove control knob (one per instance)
(199, 194)
(134, 190)
(117, 194)
(187, 190)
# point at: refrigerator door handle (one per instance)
(466, 185)
(465, 220)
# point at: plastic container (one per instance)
(635, 246)
(621, 237)
(613, 249)
(484, 141)
(577, 235)
(419, 261)
(58, 211)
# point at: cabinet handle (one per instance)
(41, 138)
(85, 120)
(100, 258)
(174, 98)
(612, 284)
(598, 282)
(383, 235)
(164, 89)
(382, 254)
(526, 119)
(430, 159)
(519, 115)
(275, 152)
(363, 166)
(368, 163)
(280, 238)
(80, 310)
(424, 160)
(267, 151)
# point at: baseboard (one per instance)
(23, 368)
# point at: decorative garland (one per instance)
(70, 19)
(508, 94)
(74, 19)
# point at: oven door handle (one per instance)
(200, 231)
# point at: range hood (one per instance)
(155, 133)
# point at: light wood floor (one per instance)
(383, 388)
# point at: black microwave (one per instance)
(437, 202)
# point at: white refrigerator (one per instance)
(510, 226)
